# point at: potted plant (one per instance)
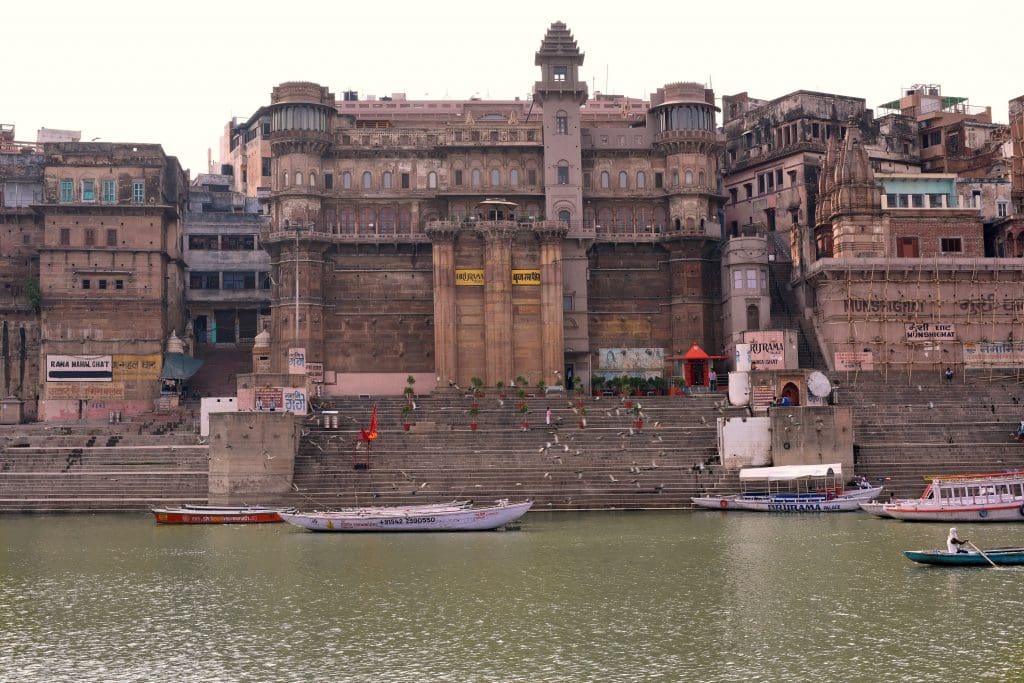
(408, 391)
(406, 409)
(477, 385)
(624, 389)
(597, 384)
(474, 409)
(541, 387)
(639, 421)
(678, 385)
(500, 386)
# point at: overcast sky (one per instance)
(174, 72)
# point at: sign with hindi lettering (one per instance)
(315, 372)
(1008, 354)
(854, 360)
(466, 277)
(295, 400)
(269, 398)
(137, 367)
(526, 277)
(927, 332)
(77, 391)
(297, 361)
(79, 369)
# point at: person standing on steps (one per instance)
(713, 379)
(547, 416)
(949, 375)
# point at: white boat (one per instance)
(412, 518)
(792, 488)
(875, 508)
(995, 497)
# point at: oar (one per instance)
(982, 553)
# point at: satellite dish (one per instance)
(818, 384)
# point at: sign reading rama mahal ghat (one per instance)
(79, 368)
(474, 277)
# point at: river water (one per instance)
(659, 596)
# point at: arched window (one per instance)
(432, 180)
(346, 180)
(387, 221)
(533, 211)
(495, 177)
(675, 178)
(688, 177)
(623, 180)
(513, 177)
(405, 220)
(691, 224)
(348, 220)
(643, 219)
(385, 180)
(606, 180)
(624, 220)
(701, 178)
(753, 317)
(641, 180)
(563, 173)
(284, 179)
(367, 180)
(561, 123)
(298, 178)
(564, 216)
(660, 218)
(476, 177)
(312, 178)
(458, 212)
(368, 221)
(604, 220)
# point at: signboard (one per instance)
(767, 349)
(743, 359)
(994, 354)
(68, 391)
(762, 396)
(472, 278)
(269, 398)
(631, 360)
(315, 372)
(927, 332)
(143, 367)
(854, 360)
(295, 401)
(525, 277)
(297, 361)
(79, 368)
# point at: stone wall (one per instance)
(251, 455)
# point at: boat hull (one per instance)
(875, 508)
(790, 503)
(383, 519)
(715, 502)
(999, 556)
(973, 513)
(218, 515)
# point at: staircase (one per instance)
(786, 313)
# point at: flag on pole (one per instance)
(371, 433)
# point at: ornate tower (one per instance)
(301, 118)
(856, 206)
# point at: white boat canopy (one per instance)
(791, 472)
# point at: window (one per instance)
(88, 190)
(298, 178)
(118, 284)
(65, 237)
(908, 247)
(86, 284)
(67, 191)
(458, 177)
(1001, 211)
(264, 277)
(688, 177)
(90, 237)
(432, 180)
(495, 177)
(559, 73)
(346, 181)
(737, 279)
(265, 167)
(386, 180)
(405, 181)
(561, 124)
(531, 176)
(675, 178)
(203, 280)
(815, 131)
(748, 190)
(238, 242)
(733, 194)
(951, 245)
(563, 173)
(917, 201)
(202, 242)
(567, 303)
(103, 284)
(778, 177)
(367, 180)
(760, 183)
(477, 178)
(328, 181)
(641, 180)
(138, 192)
(751, 279)
(109, 191)
(659, 180)
(623, 180)
(513, 177)
(312, 178)
(605, 180)
(240, 280)
(111, 237)
(753, 317)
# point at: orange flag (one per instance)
(371, 434)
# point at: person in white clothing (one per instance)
(954, 543)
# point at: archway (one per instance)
(791, 392)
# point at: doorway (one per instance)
(791, 392)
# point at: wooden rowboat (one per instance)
(999, 556)
(210, 514)
(411, 518)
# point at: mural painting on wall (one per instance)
(645, 362)
(1006, 354)
(767, 349)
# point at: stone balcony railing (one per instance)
(470, 135)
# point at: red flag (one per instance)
(372, 433)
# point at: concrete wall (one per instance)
(744, 442)
(223, 404)
(252, 456)
(803, 435)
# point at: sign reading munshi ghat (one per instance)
(930, 332)
(984, 304)
(79, 369)
(474, 277)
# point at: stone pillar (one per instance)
(306, 253)
(551, 314)
(498, 303)
(443, 253)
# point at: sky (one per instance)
(174, 73)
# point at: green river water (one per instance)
(656, 596)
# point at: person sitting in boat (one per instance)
(954, 543)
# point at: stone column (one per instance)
(304, 304)
(551, 314)
(498, 302)
(443, 253)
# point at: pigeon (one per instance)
(612, 478)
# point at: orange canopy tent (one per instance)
(695, 365)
